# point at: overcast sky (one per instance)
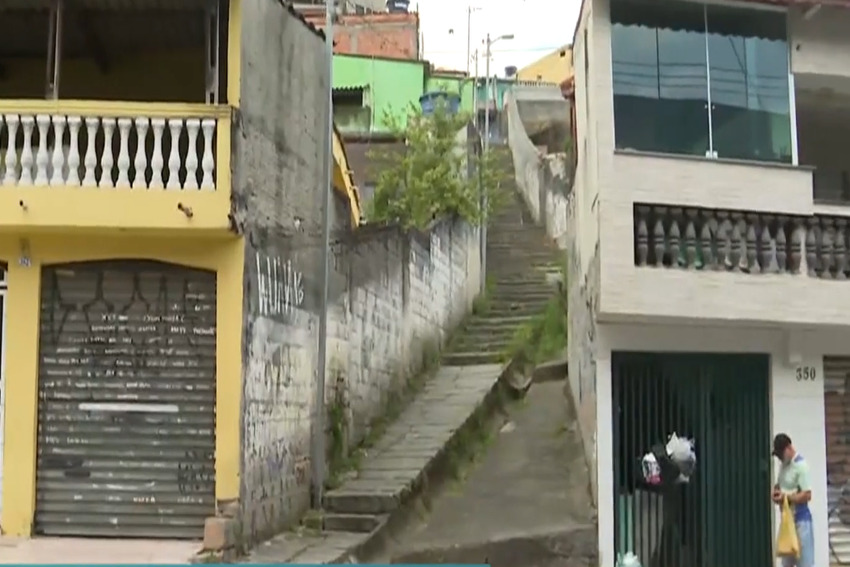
(538, 27)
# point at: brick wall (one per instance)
(378, 35)
(390, 293)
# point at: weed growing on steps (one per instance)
(481, 303)
(545, 335)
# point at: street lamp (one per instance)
(487, 86)
(484, 200)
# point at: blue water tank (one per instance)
(396, 6)
(510, 71)
(428, 102)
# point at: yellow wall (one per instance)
(225, 256)
(552, 68)
(173, 76)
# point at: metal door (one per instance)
(837, 420)
(126, 413)
(722, 516)
(2, 375)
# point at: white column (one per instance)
(208, 161)
(42, 157)
(141, 163)
(74, 123)
(157, 160)
(107, 159)
(89, 179)
(58, 151)
(192, 126)
(124, 152)
(175, 125)
(28, 123)
(11, 177)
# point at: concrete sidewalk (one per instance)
(54, 550)
(393, 471)
(527, 500)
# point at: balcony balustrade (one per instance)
(744, 242)
(147, 151)
(114, 165)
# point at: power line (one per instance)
(529, 50)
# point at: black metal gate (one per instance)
(723, 516)
(126, 413)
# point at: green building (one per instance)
(452, 83)
(367, 88)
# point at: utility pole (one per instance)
(468, 37)
(487, 89)
(318, 431)
(485, 202)
(484, 198)
(475, 93)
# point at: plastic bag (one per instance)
(681, 451)
(650, 469)
(628, 560)
(787, 543)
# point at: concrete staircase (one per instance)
(462, 396)
(520, 257)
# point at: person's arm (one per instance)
(804, 485)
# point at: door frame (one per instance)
(3, 286)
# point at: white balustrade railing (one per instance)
(108, 152)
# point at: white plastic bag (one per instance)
(628, 560)
(681, 451)
(650, 469)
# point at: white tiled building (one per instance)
(710, 263)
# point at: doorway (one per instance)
(3, 283)
(722, 515)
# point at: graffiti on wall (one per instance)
(128, 349)
(280, 286)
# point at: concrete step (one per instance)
(359, 523)
(404, 458)
(513, 310)
(368, 500)
(541, 292)
(491, 322)
(478, 344)
(512, 303)
(471, 358)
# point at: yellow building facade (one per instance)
(121, 280)
(553, 67)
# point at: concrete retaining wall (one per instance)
(543, 180)
(393, 294)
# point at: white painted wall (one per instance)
(820, 45)
(797, 407)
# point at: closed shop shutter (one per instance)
(126, 413)
(837, 418)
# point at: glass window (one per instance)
(748, 64)
(671, 59)
(659, 75)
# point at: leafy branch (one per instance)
(429, 179)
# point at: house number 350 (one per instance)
(806, 373)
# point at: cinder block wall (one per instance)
(392, 293)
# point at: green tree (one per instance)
(428, 179)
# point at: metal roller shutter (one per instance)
(837, 418)
(126, 413)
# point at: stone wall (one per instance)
(544, 180)
(582, 305)
(391, 293)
